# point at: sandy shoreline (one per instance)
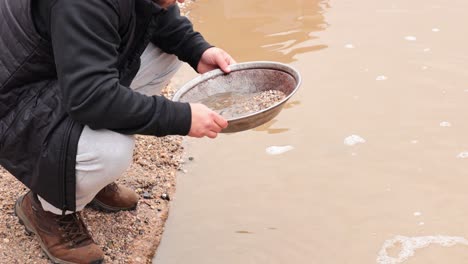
(126, 237)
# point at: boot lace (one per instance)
(74, 229)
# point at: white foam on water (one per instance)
(410, 244)
(445, 124)
(426, 49)
(463, 155)
(410, 38)
(353, 140)
(435, 30)
(277, 150)
(349, 46)
(417, 213)
(381, 78)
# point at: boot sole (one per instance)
(23, 220)
(109, 209)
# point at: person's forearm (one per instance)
(85, 41)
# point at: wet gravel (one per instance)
(232, 105)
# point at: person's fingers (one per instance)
(229, 59)
(222, 63)
(220, 121)
(211, 134)
(216, 128)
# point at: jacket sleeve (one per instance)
(85, 43)
(175, 35)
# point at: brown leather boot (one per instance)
(115, 198)
(65, 239)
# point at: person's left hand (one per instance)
(214, 58)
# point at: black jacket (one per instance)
(65, 64)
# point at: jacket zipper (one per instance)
(63, 166)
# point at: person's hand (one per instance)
(214, 58)
(167, 3)
(205, 122)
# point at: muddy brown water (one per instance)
(368, 162)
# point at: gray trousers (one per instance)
(103, 155)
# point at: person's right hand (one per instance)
(205, 122)
(167, 3)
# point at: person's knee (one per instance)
(104, 154)
(118, 159)
(156, 70)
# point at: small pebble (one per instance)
(190, 158)
(146, 195)
(165, 196)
